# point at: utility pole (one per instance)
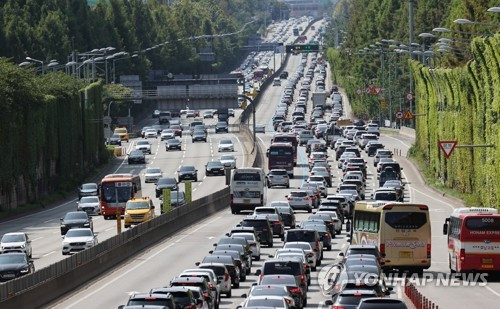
(411, 57)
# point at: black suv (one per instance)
(76, 219)
(210, 296)
(214, 168)
(221, 126)
(262, 227)
(140, 300)
(187, 172)
(166, 183)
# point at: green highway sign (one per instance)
(302, 48)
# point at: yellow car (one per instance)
(122, 133)
(138, 210)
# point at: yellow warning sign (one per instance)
(408, 115)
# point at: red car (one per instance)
(177, 130)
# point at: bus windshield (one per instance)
(112, 194)
(247, 177)
(280, 151)
(405, 220)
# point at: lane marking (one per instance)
(125, 272)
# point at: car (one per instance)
(199, 136)
(14, 265)
(173, 143)
(322, 171)
(320, 181)
(229, 262)
(136, 156)
(187, 172)
(386, 194)
(221, 126)
(289, 282)
(362, 249)
(209, 296)
(260, 128)
(167, 134)
(267, 301)
(78, 239)
(278, 177)
(293, 267)
(151, 300)
(223, 276)
(262, 226)
(230, 112)
(208, 114)
(144, 146)
(190, 114)
(115, 139)
(138, 210)
(300, 200)
(210, 277)
(89, 204)
(252, 241)
(151, 133)
(152, 174)
(143, 131)
(88, 189)
(395, 185)
(75, 219)
(177, 130)
(286, 212)
(225, 145)
(228, 161)
(177, 199)
(214, 168)
(381, 303)
(156, 113)
(271, 290)
(166, 183)
(349, 299)
(306, 235)
(16, 242)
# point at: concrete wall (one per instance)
(407, 132)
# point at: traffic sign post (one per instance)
(409, 97)
(399, 115)
(408, 115)
(447, 147)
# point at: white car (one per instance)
(225, 145)
(228, 161)
(310, 253)
(144, 146)
(167, 134)
(90, 204)
(78, 240)
(223, 276)
(252, 241)
(260, 128)
(300, 200)
(268, 301)
(151, 133)
(153, 174)
(16, 242)
(320, 180)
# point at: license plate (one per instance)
(488, 266)
(9, 275)
(487, 261)
(246, 201)
(405, 254)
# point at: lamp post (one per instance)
(36, 60)
(465, 21)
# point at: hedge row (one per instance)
(462, 104)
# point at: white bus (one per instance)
(401, 231)
(247, 188)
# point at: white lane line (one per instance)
(127, 272)
(437, 200)
(398, 141)
(47, 254)
(492, 291)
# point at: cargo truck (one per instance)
(223, 114)
(319, 99)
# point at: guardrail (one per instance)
(417, 299)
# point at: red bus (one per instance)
(114, 192)
(473, 239)
(287, 138)
(280, 156)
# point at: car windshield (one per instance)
(120, 131)
(167, 131)
(225, 141)
(75, 215)
(187, 168)
(268, 290)
(115, 136)
(174, 141)
(280, 280)
(89, 186)
(227, 158)
(175, 195)
(13, 238)
(89, 199)
(138, 205)
(79, 233)
(214, 164)
(167, 181)
(12, 259)
(142, 143)
(153, 171)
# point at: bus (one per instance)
(247, 189)
(114, 192)
(473, 239)
(287, 138)
(281, 156)
(402, 232)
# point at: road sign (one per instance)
(302, 48)
(409, 96)
(399, 114)
(408, 115)
(447, 147)
(377, 90)
(359, 91)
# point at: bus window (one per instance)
(405, 220)
(246, 177)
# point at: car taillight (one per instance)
(317, 245)
(306, 198)
(190, 307)
(326, 235)
(428, 251)
(302, 277)
(206, 294)
(290, 198)
(210, 285)
(277, 223)
(253, 245)
(462, 255)
(382, 249)
(226, 278)
(295, 290)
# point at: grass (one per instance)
(470, 199)
(30, 207)
(388, 131)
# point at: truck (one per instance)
(223, 114)
(319, 99)
(164, 117)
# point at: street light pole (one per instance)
(411, 55)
